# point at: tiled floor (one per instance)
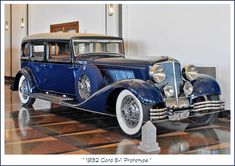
(50, 129)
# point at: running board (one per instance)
(64, 101)
(52, 98)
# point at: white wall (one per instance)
(91, 17)
(112, 21)
(194, 34)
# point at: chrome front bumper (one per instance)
(199, 108)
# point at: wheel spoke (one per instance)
(84, 87)
(130, 111)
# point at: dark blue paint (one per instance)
(60, 77)
(205, 85)
(144, 91)
(38, 71)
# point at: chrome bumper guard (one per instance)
(208, 105)
(158, 114)
(197, 108)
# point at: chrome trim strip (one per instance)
(208, 102)
(208, 105)
(158, 117)
(176, 90)
(76, 107)
(208, 108)
(165, 120)
(157, 113)
(101, 90)
(128, 66)
(98, 40)
(158, 110)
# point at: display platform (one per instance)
(51, 129)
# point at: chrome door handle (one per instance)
(43, 65)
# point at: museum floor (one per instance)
(51, 129)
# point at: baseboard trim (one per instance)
(9, 79)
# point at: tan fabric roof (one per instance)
(61, 35)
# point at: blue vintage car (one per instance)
(90, 72)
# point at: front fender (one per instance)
(147, 93)
(205, 85)
(28, 75)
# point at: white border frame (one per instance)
(81, 159)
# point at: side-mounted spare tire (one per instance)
(88, 80)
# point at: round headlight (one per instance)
(157, 73)
(190, 72)
(168, 91)
(188, 88)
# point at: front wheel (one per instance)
(130, 113)
(204, 119)
(24, 90)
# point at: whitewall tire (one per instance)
(24, 90)
(129, 112)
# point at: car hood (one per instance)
(124, 61)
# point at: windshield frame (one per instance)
(99, 41)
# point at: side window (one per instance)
(38, 51)
(59, 52)
(25, 51)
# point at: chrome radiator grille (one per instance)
(173, 77)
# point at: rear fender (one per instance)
(28, 75)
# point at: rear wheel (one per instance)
(24, 90)
(131, 113)
(204, 119)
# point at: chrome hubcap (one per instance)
(24, 90)
(130, 111)
(84, 87)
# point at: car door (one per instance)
(60, 67)
(37, 64)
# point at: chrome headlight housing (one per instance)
(190, 72)
(168, 91)
(188, 88)
(157, 73)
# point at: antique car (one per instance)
(90, 72)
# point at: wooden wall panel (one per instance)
(7, 23)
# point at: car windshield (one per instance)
(114, 47)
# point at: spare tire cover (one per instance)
(87, 74)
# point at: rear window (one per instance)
(38, 51)
(25, 51)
